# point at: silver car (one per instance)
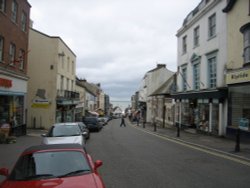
(64, 133)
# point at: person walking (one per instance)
(122, 122)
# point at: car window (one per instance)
(44, 165)
(64, 130)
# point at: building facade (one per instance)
(152, 80)
(201, 98)
(14, 33)
(52, 95)
(238, 65)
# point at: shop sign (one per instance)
(238, 77)
(5, 83)
(40, 103)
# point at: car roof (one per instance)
(44, 147)
(67, 123)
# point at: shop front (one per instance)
(203, 111)
(239, 102)
(12, 104)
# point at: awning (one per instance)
(206, 94)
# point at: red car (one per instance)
(57, 166)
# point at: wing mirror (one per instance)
(97, 164)
(84, 133)
(4, 172)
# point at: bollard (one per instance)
(237, 145)
(154, 127)
(178, 129)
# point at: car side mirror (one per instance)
(97, 164)
(84, 133)
(4, 172)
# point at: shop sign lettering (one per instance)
(238, 77)
(5, 83)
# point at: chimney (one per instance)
(161, 65)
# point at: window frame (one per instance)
(184, 78)
(196, 77)
(196, 35)
(245, 30)
(1, 49)
(212, 69)
(212, 26)
(184, 44)
(14, 11)
(12, 54)
(3, 5)
(21, 59)
(24, 21)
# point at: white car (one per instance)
(64, 133)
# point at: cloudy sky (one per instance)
(116, 41)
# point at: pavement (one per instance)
(220, 145)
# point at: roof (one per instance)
(53, 147)
(165, 88)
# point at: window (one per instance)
(23, 21)
(212, 75)
(2, 5)
(184, 44)
(73, 67)
(1, 49)
(67, 84)
(61, 86)
(196, 76)
(14, 8)
(245, 30)
(12, 54)
(196, 36)
(211, 26)
(21, 59)
(184, 79)
(68, 62)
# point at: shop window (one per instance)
(12, 110)
(203, 114)
(239, 104)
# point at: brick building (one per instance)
(14, 32)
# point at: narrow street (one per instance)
(134, 158)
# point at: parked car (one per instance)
(63, 133)
(58, 165)
(84, 129)
(103, 120)
(92, 123)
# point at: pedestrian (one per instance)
(123, 122)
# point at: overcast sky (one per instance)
(116, 41)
